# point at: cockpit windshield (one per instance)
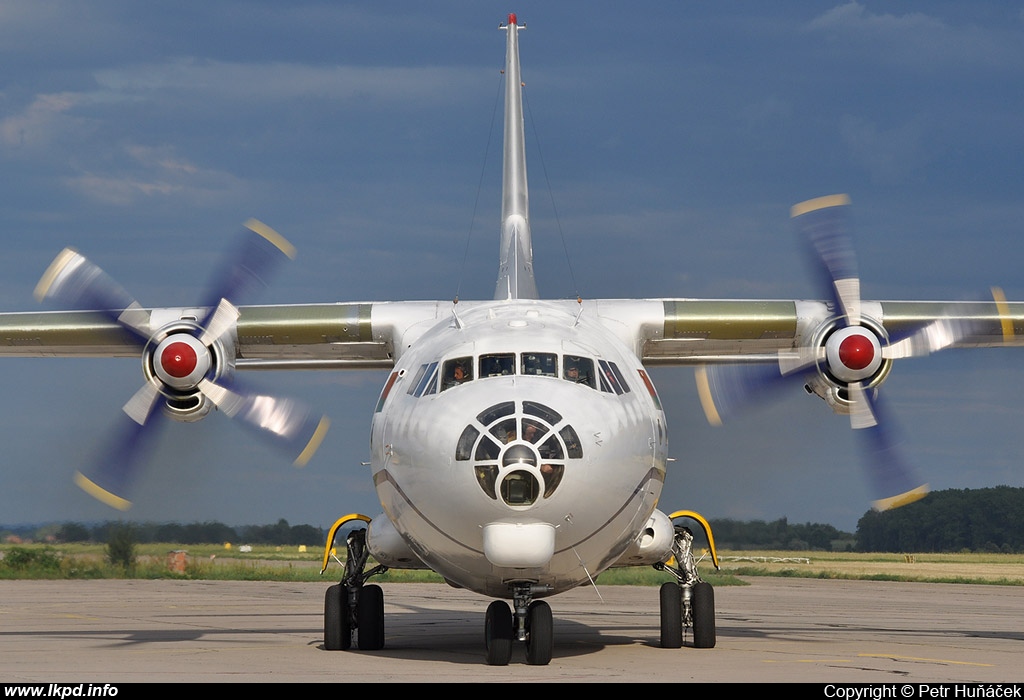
(434, 377)
(579, 370)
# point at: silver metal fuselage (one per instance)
(437, 500)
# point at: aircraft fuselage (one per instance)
(540, 462)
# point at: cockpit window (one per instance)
(457, 371)
(579, 370)
(497, 364)
(612, 379)
(540, 363)
(425, 381)
(609, 382)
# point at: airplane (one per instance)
(518, 447)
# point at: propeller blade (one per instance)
(937, 335)
(286, 422)
(76, 283)
(862, 414)
(258, 253)
(111, 476)
(823, 223)
(220, 322)
(140, 406)
(894, 482)
(726, 390)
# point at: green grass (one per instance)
(269, 563)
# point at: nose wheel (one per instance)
(531, 623)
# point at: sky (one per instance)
(666, 144)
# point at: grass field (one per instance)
(291, 564)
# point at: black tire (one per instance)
(337, 625)
(703, 616)
(498, 633)
(540, 637)
(370, 618)
(671, 615)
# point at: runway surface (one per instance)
(774, 630)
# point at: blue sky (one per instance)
(667, 142)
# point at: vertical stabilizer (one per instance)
(515, 270)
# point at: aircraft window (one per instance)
(457, 371)
(432, 384)
(505, 431)
(518, 460)
(618, 375)
(551, 416)
(495, 412)
(488, 449)
(579, 370)
(608, 379)
(572, 442)
(533, 430)
(486, 476)
(552, 474)
(551, 449)
(416, 380)
(428, 380)
(464, 449)
(497, 364)
(540, 363)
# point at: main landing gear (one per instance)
(353, 605)
(531, 622)
(688, 602)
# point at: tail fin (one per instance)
(515, 269)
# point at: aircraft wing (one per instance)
(300, 336)
(701, 331)
(364, 335)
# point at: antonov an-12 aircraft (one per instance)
(518, 447)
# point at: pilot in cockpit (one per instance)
(456, 372)
(573, 372)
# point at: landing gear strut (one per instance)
(688, 602)
(353, 605)
(530, 623)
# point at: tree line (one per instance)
(954, 520)
(280, 533)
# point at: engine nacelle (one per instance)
(848, 355)
(388, 547)
(653, 545)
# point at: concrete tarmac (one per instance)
(773, 630)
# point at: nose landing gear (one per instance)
(531, 623)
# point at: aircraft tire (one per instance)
(671, 615)
(498, 633)
(703, 616)
(370, 616)
(337, 625)
(539, 634)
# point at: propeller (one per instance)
(846, 360)
(187, 362)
